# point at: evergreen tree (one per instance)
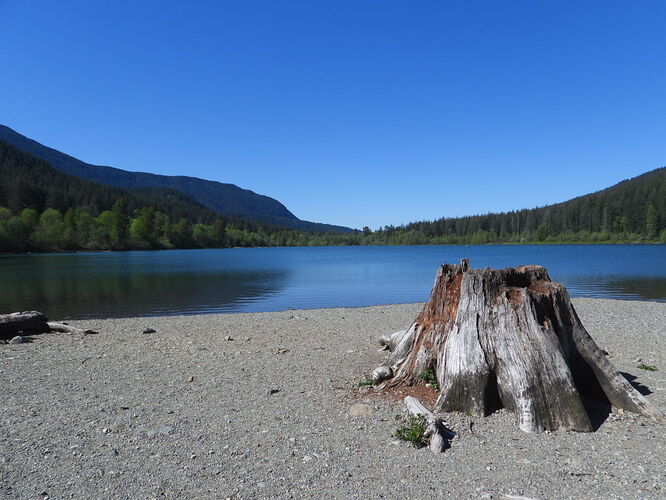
(651, 222)
(70, 240)
(119, 226)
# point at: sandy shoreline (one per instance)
(184, 413)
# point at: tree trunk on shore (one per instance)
(508, 338)
(26, 322)
(33, 322)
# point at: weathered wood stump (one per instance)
(508, 338)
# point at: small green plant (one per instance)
(468, 413)
(429, 377)
(365, 382)
(412, 429)
(649, 368)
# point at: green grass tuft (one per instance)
(412, 429)
(365, 382)
(649, 368)
(429, 377)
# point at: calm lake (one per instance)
(98, 285)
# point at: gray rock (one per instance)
(18, 340)
(381, 373)
(149, 330)
(163, 429)
(361, 410)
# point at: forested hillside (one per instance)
(226, 199)
(632, 211)
(42, 209)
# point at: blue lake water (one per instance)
(98, 285)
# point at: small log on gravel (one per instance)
(63, 328)
(508, 338)
(437, 432)
(33, 322)
(26, 322)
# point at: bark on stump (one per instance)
(508, 338)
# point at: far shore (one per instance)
(530, 243)
(259, 405)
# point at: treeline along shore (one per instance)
(44, 210)
(149, 229)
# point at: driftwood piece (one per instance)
(399, 344)
(33, 322)
(26, 322)
(437, 432)
(509, 338)
(391, 341)
(64, 328)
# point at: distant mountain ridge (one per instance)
(226, 199)
(632, 209)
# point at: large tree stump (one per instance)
(508, 338)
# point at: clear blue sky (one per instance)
(349, 112)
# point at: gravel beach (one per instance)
(258, 406)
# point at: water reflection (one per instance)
(618, 287)
(268, 279)
(76, 286)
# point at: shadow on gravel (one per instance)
(598, 411)
(644, 390)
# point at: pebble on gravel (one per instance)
(149, 330)
(163, 429)
(18, 340)
(361, 410)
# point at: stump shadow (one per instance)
(599, 410)
(643, 389)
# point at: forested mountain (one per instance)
(226, 199)
(633, 210)
(43, 209)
